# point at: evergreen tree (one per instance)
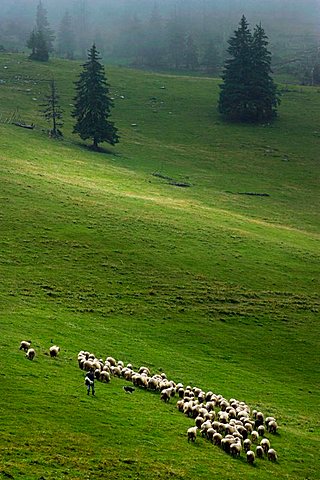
(264, 93)
(52, 111)
(37, 43)
(248, 92)
(93, 103)
(66, 40)
(32, 43)
(42, 25)
(234, 98)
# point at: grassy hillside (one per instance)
(215, 287)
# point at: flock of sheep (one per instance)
(229, 424)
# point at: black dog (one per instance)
(128, 389)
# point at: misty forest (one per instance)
(181, 35)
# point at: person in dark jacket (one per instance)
(89, 381)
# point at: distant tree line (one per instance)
(184, 36)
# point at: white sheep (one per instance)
(247, 445)
(217, 438)
(30, 353)
(25, 345)
(259, 451)
(250, 457)
(54, 350)
(104, 376)
(272, 426)
(272, 455)
(261, 430)
(265, 444)
(112, 361)
(235, 449)
(254, 436)
(192, 434)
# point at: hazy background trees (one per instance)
(169, 34)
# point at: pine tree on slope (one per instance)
(93, 104)
(248, 93)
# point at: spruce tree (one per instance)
(52, 111)
(42, 25)
(264, 93)
(93, 103)
(37, 43)
(248, 92)
(234, 101)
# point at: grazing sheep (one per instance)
(247, 445)
(25, 345)
(259, 419)
(210, 433)
(265, 444)
(254, 436)
(235, 449)
(217, 438)
(272, 426)
(205, 427)
(30, 353)
(104, 376)
(272, 455)
(192, 434)
(166, 394)
(199, 421)
(259, 451)
(261, 430)
(269, 419)
(250, 457)
(54, 350)
(112, 361)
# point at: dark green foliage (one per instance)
(37, 43)
(52, 111)
(248, 93)
(93, 104)
(42, 25)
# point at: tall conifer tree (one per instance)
(42, 25)
(93, 103)
(248, 92)
(264, 93)
(234, 98)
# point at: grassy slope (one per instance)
(217, 289)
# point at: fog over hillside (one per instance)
(153, 33)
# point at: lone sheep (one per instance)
(54, 350)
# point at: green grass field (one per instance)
(216, 288)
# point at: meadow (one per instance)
(212, 285)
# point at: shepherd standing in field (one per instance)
(89, 381)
